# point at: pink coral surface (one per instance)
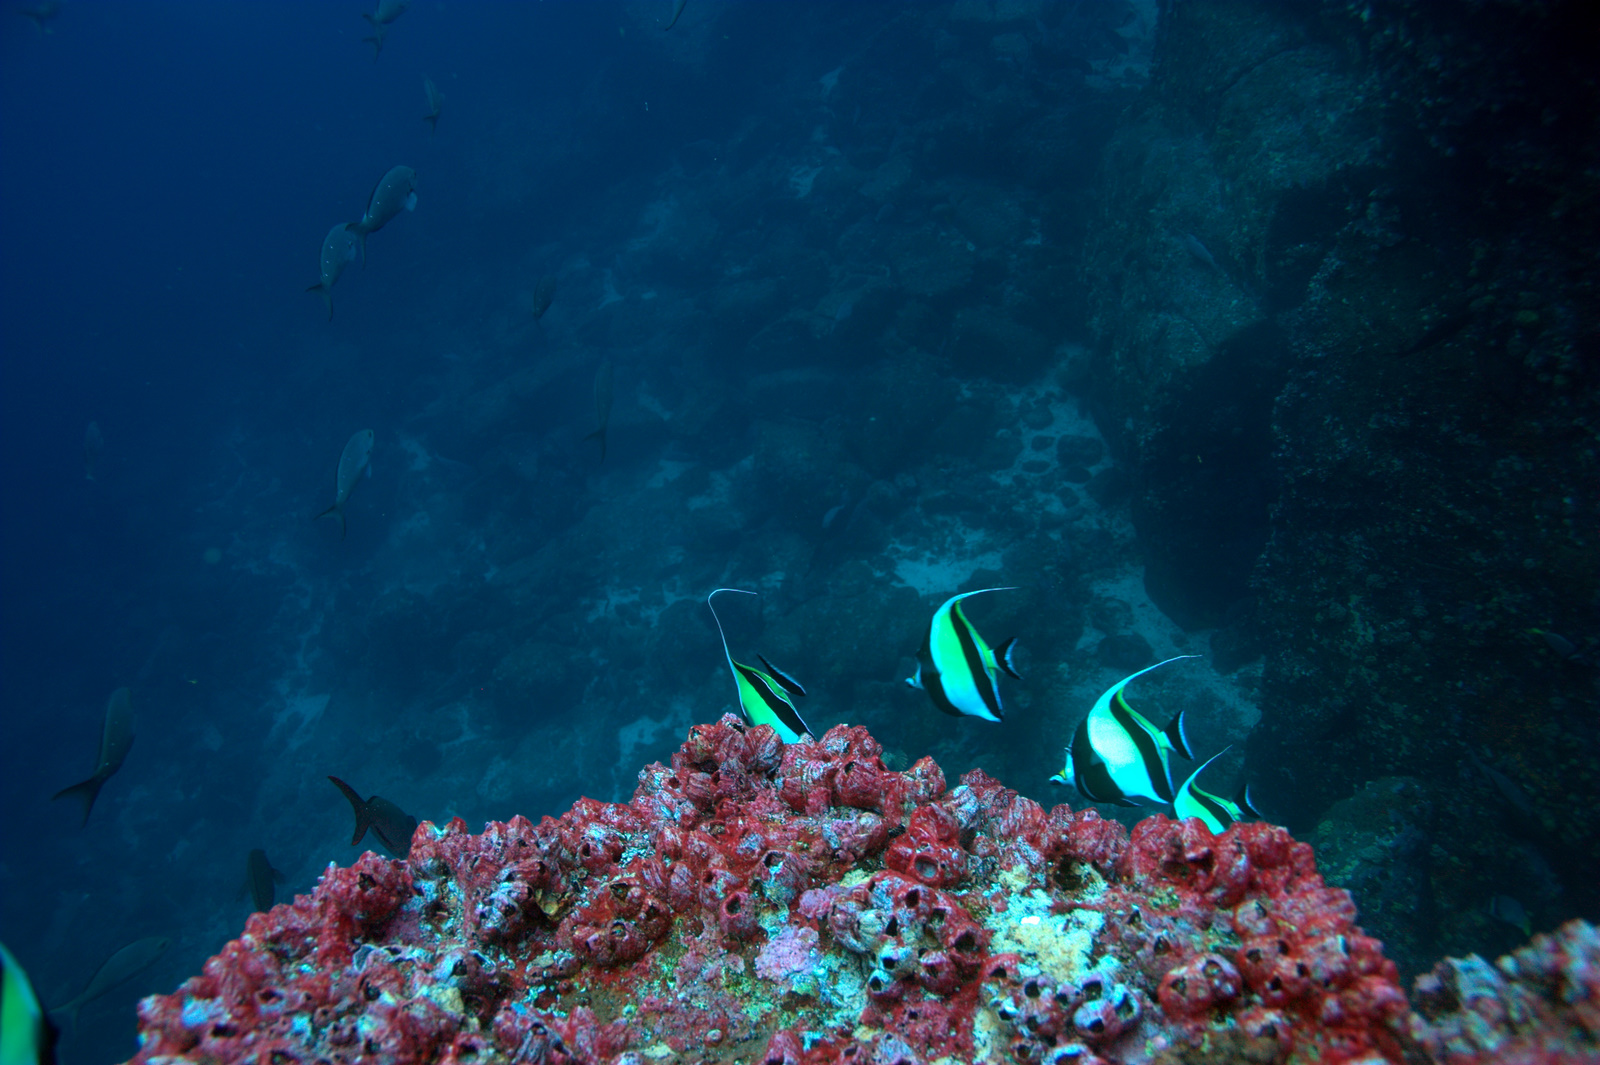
(799, 904)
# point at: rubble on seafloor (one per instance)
(800, 904)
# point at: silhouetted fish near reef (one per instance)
(339, 249)
(396, 191)
(602, 405)
(544, 292)
(116, 738)
(392, 825)
(121, 967)
(435, 104)
(261, 878)
(354, 460)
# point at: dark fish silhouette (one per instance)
(677, 13)
(261, 879)
(392, 825)
(435, 104)
(121, 967)
(354, 460)
(602, 405)
(116, 737)
(543, 293)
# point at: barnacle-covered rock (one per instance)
(801, 904)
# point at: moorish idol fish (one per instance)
(957, 668)
(26, 1035)
(1217, 813)
(1118, 757)
(765, 698)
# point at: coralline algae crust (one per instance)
(795, 905)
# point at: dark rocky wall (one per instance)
(1343, 283)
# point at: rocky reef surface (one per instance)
(798, 904)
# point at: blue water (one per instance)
(835, 256)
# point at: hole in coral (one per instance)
(1275, 984)
(893, 927)
(1031, 989)
(925, 868)
(1093, 989)
(1283, 947)
(223, 1031)
(966, 941)
(733, 905)
(1070, 876)
(1096, 1026)
(619, 928)
(1180, 985)
(1160, 946)
(1254, 954)
(938, 915)
(913, 898)
(773, 859)
(998, 972)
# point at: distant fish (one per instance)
(677, 13)
(831, 515)
(261, 878)
(1507, 909)
(339, 249)
(396, 191)
(116, 738)
(958, 668)
(355, 460)
(1199, 252)
(1117, 756)
(435, 104)
(1562, 647)
(93, 444)
(764, 698)
(602, 405)
(26, 1035)
(42, 15)
(121, 967)
(388, 11)
(544, 291)
(379, 32)
(1217, 813)
(392, 825)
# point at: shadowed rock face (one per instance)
(1342, 285)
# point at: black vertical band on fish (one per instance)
(1155, 766)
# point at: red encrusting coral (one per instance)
(799, 904)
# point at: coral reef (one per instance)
(802, 904)
(1538, 1006)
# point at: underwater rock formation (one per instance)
(1344, 302)
(1539, 1005)
(802, 904)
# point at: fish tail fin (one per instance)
(433, 123)
(70, 1011)
(87, 791)
(327, 296)
(1178, 736)
(357, 806)
(1247, 801)
(337, 512)
(600, 435)
(1005, 658)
